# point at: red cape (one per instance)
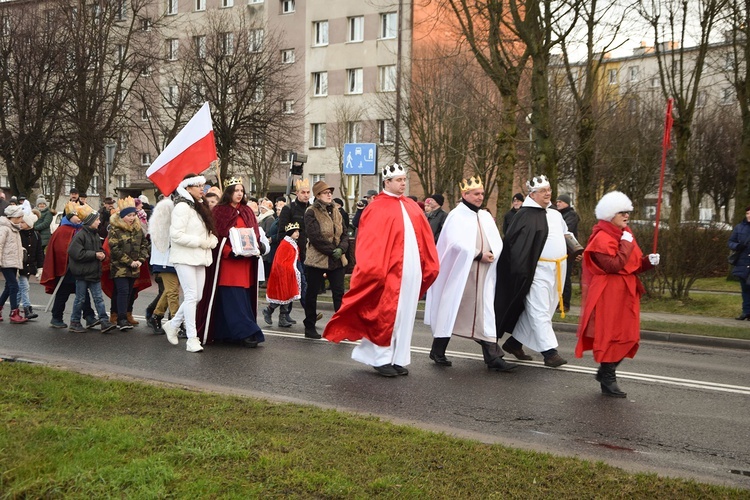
(368, 310)
(56, 258)
(610, 319)
(283, 283)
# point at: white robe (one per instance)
(399, 352)
(456, 248)
(534, 326)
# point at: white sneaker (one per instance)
(171, 332)
(194, 345)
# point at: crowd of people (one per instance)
(218, 248)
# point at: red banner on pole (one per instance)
(665, 145)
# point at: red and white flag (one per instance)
(192, 150)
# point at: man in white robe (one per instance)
(461, 301)
(531, 273)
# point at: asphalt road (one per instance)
(686, 414)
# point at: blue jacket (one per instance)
(740, 240)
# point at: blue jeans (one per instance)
(82, 289)
(23, 291)
(11, 287)
(745, 296)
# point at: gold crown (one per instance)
(71, 207)
(302, 184)
(473, 182)
(125, 203)
(82, 211)
(233, 181)
(291, 226)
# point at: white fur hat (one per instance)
(612, 203)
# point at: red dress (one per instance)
(610, 290)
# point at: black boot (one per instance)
(608, 380)
(493, 357)
(29, 313)
(437, 353)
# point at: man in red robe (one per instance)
(396, 263)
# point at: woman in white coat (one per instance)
(192, 239)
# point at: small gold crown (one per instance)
(473, 182)
(302, 184)
(233, 181)
(291, 226)
(125, 203)
(71, 207)
(83, 210)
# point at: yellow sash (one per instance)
(560, 283)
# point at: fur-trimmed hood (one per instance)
(116, 221)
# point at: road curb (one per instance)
(677, 338)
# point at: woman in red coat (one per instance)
(610, 290)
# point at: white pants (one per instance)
(192, 279)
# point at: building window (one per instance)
(121, 12)
(729, 62)
(94, 186)
(318, 135)
(655, 82)
(702, 99)
(200, 46)
(121, 181)
(254, 1)
(633, 73)
(172, 94)
(122, 142)
(258, 94)
(612, 78)
(119, 53)
(227, 3)
(200, 5)
(227, 44)
(388, 25)
(317, 177)
(172, 7)
(354, 79)
(255, 40)
(287, 6)
(146, 71)
(287, 56)
(353, 131)
(386, 132)
(288, 107)
(387, 78)
(356, 31)
(146, 24)
(173, 45)
(198, 94)
(145, 159)
(320, 31)
(320, 84)
(727, 95)
(145, 114)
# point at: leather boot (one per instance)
(493, 357)
(113, 317)
(15, 316)
(29, 313)
(131, 319)
(1, 313)
(608, 380)
(437, 353)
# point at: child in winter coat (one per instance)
(285, 281)
(85, 258)
(11, 259)
(33, 259)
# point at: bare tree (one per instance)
(680, 71)
(32, 90)
(346, 129)
(235, 66)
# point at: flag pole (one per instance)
(665, 145)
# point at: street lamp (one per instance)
(109, 153)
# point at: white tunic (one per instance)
(534, 327)
(399, 352)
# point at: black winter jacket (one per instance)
(33, 252)
(82, 261)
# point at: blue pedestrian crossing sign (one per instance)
(360, 158)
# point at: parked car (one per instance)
(56, 220)
(637, 223)
(707, 224)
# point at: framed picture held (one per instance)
(243, 241)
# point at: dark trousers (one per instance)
(745, 297)
(160, 284)
(125, 296)
(568, 287)
(11, 287)
(68, 288)
(315, 278)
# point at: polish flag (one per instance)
(192, 150)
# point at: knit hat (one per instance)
(371, 192)
(126, 206)
(41, 200)
(438, 199)
(12, 211)
(612, 203)
(144, 199)
(518, 196)
(565, 199)
(87, 214)
(339, 201)
(30, 219)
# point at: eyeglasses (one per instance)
(624, 213)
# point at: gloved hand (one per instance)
(627, 236)
(212, 242)
(261, 248)
(337, 254)
(653, 258)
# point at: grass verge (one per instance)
(686, 328)
(75, 436)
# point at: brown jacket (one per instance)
(324, 228)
